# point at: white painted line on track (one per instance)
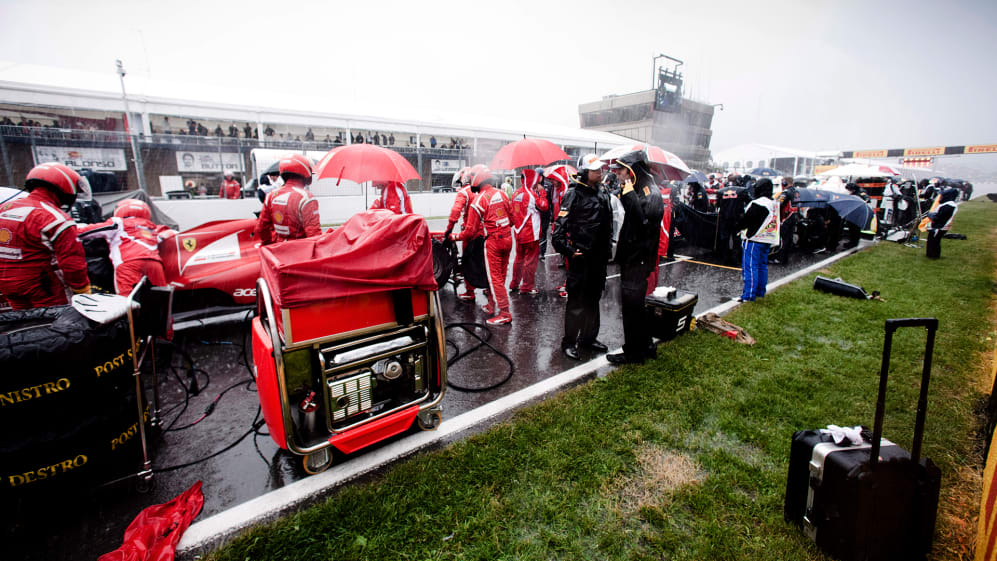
(211, 531)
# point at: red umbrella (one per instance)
(664, 162)
(365, 162)
(560, 168)
(528, 152)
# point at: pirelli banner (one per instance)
(67, 402)
(926, 151)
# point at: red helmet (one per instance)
(463, 175)
(133, 208)
(480, 175)
(58, 177)
(298, 165)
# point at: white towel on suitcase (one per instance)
(840, 434)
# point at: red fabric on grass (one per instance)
(155, 532)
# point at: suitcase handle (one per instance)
(931, 324)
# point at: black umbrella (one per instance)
(849, 207)
(764, 172)
(274, 168)
(697, 177)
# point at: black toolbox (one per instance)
(670, 315)
(875, 500)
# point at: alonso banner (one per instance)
(97, 159)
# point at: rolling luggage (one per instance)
(874, 500)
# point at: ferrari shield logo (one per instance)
(189, 244)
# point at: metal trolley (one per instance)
(348, 372)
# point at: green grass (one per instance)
(686, 457)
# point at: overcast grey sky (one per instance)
(807, 74)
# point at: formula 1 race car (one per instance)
(213, 265)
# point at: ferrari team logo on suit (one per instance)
(189, 244)
(5, 235)
(278, 217)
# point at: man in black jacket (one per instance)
(583, 232)
(636, 252)
(941, 220)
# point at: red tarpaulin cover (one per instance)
(155, 532)
(374, 251)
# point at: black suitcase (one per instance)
(670, 316)
(873, 501)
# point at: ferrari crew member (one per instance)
(133, 240)
(557, 183)
(583, 234)
(393, 197)
(527, 203)
(759, 230)
(941, 221)
(290, 212)
(491, 214)
(230, 188)
(35, 235)
(461, 206)
(636, 253)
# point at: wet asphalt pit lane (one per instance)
(256, 465)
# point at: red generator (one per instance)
(348, 340)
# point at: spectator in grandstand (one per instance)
(391, 139)
(432, 142)
(219, 131)
(247, 131)
(310, 136)
(233, 131)
(268, 132)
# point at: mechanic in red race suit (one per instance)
(393, 197)
(461, 206)
(491, 213)
(230, 188)
(40, 255)
(290, 212)
(133, 239)
(528, 202)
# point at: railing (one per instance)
(39, 135)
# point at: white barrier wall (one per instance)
(333, 210)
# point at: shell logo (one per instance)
(5, 235)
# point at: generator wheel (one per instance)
(444, 259)
(433, 421)
(317, 462)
